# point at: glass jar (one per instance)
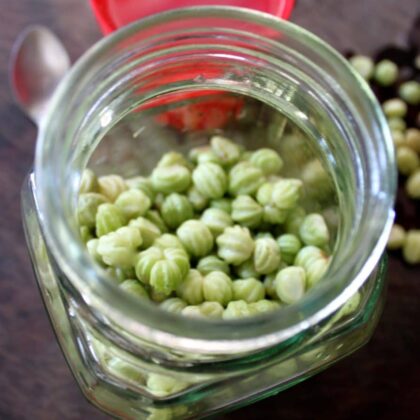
(167, 82)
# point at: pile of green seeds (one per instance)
(220, 234)
(385, 74)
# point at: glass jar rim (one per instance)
(157, 326)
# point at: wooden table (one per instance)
(381, 381)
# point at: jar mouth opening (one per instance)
(179, 332)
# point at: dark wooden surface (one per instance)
(381, 381)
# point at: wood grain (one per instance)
(381, 381)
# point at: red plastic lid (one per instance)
(215, 110)
(113, 14)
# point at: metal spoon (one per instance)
(37, 64)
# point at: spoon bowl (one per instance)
(37, 64)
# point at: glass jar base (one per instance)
(120, 384)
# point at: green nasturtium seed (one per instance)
(274, 215)
(307, 254)
(119, 248)
(407, 160)
(170, 179)
(212, 263)
(289, 245)
(119, 274)
(397, 237)
(397, 124)
(134, 288)
(123, 369)
(226, 150)
(87, 208)
(412, 186)
(363, 65)
(145, 262)
(88, 182)
(196, 238)
(410, 92)
(210, 180)
(266, 256)
(149, 231)
(315, 271)
(133, 203)
(111, 186)
(217, 287)
(165, 276)
(237, 309)
(398, 138)
(314, 230)
(314, 261)
(293, 220)
(176, 209)
(208, 157)
(412, 139)
(250, 290)
(263, 306)
(349, 307)
(143, 184)
(191, 289)
(157, 296)
(394, 108)
(246, 211)
(171, 159)
(174, 305)
(179, 257)
(318, 183)
(290, 284)
(286, 193)
(168, 240)
(411, 247)
(210, 310)
(245, 178)
(267, 160)
(216, 220)
(203, 154)
(108, 219)
(196, 151)
(213, 310)
(163, 385)
(192, 311)
(385, 73)
(235, 245)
